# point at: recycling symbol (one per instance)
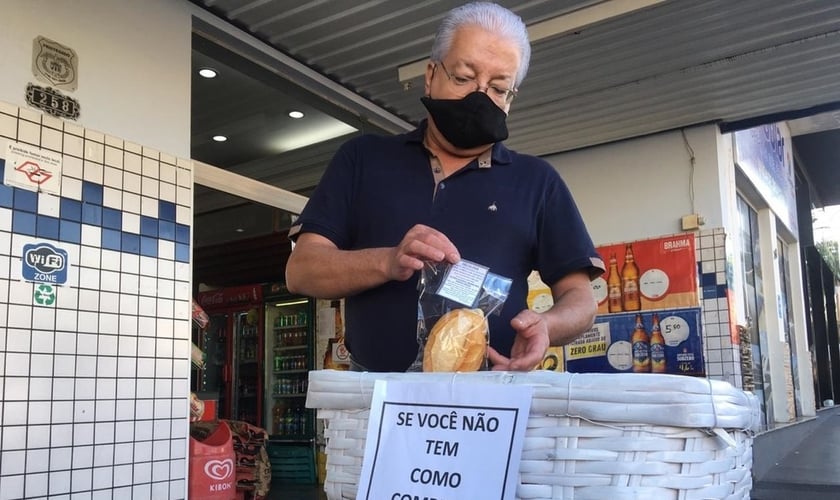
(45, 295)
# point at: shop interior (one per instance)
(241, 123)
(255, 342)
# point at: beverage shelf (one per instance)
(291, 348)
(289, 327)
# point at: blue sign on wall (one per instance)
(608, 345)
(44, 263)
(764, 155)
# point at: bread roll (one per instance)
(457, 342)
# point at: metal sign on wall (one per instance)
(58, 66)
(55, 64)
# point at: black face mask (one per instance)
(470, 122)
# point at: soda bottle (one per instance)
(303, 421)
(277, 414)
(291, 428)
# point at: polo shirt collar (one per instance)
(500, 153)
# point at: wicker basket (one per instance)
(589, 436)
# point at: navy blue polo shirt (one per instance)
(514, 217)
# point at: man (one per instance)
(446, 191)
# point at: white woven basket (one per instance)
(589, 436)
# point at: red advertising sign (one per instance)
(230, 297)
(648, 311)
(659, 273)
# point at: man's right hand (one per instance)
(420, 244)
(316, 267)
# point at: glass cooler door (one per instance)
(289, 357)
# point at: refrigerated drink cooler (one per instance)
(233, 344)
(289, 356)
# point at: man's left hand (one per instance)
(529, 345)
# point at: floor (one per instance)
(296, 492)
(810, 469)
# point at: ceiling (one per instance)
(665, 65)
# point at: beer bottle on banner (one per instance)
(630, 282)
(614, 287)
(657, 347)
(329, 364)
(640, 343)
(336, 343)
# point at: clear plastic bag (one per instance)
(454, 302)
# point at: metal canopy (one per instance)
(665, 66)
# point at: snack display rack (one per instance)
(589, 435)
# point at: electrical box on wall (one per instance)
(692, 221)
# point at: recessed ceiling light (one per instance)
(207, 72)
(240, 230)
(296, 114)
(219, 138)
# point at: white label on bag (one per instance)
(444, 440)
(463, 282)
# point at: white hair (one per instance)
(491, 17)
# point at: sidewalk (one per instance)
(800, 461)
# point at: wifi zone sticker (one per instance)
(44, 263)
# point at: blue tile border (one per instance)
(67, 227)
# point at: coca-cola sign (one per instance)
(224, 297)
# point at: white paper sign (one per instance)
(444, 441)
(463, 282)
(31, 168)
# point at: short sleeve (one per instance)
(564, 245)
(329, 212)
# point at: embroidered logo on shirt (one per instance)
(492, 208)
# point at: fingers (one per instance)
(426, 243)
(498, 361)
(421, 244)
(523, 363)
(524, 322)
(529, 346)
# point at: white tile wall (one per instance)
(723, 361)
(94, 386)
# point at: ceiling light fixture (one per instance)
(208, 72)
(219, 138)
(296, 114)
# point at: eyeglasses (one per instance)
(496, 93)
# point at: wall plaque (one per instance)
(55, 64)
(52, 101)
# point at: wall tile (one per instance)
(8, 126)
(70, 372)
(29, 133)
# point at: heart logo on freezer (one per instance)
(218, 469)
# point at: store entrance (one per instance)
(259, 147)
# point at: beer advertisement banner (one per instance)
(657, 273)
(540, 300)
(661, 341)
